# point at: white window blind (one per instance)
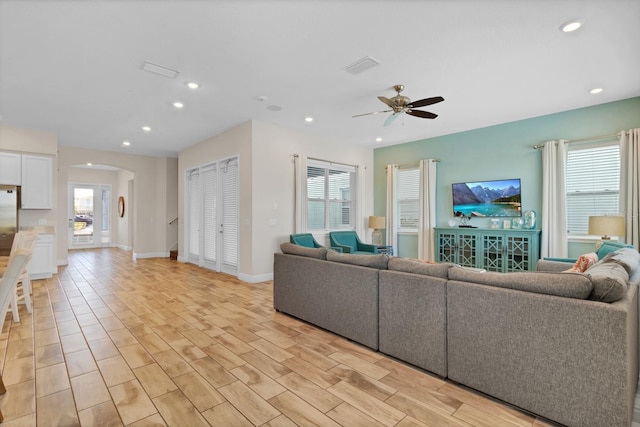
(210, 219)
(194, 213)
(408, 199)
(230, 207)
(330, 196)
(593, 184)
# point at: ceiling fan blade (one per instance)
(386, 101)
(426, 101)
(391, 118)
(368, 114)
(423, 114)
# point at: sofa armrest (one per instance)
(367, 247)
(550, 265)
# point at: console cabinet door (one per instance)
(492, 250)
(37, 177)
(10, 168)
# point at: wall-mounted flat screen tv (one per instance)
(498, 198)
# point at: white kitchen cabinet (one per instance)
(41, 265)
(37, 178)
(10, 168)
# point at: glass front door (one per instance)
(89, 216)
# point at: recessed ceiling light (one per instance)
(596, 90)
(178, 104)
(193, 85)
(308, 119)
(125, 144)
(378, 139)
(570, 26)
(89, 164)
(146, 128)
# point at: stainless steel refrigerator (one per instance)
(8, 217)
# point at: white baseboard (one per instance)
(63, 261)
(151, 255)
(124, 248)
(182, 259)
(255, 279)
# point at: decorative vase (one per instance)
(517, 222)
(530, 220)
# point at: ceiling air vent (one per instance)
(361, 65)
(159, 69)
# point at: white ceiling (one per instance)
(74, 67)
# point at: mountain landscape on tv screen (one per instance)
(464, 195)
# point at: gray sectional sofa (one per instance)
(561, 345)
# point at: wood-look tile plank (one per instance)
(51, 379)
(136, 356)
(309, 392)
(480, 418)
(201, 394)
(346, 415)
(172, 363)
(300, 412)
(380, 411)
(377, 389)
(311, 372)
(80, 362)
(177, 410)
(154, 380)
(154, 420)
(104, 414)
(257, 381)
(367, 368)
(89, 390)
(131, 401)
(425, 412)
(19, 400)
(252, 406)
(225, 415)
(57, 409)
(213, 372)
(224, 356)
(115, 371)
(153, 343)
(18, 370)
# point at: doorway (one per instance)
(89, 216)
(212, 231)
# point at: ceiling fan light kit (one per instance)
(402, 104)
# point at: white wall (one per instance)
(123, 238)
(149, 208)
(234, 142)
(273, 184)
(267, 185)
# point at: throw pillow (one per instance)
(610, 246)
(378, 261)
(629, 258)
(583, 263)
(609, 281)
(293, 249)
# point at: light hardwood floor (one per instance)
(114, 341)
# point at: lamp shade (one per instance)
(377, 222)
(606, 226)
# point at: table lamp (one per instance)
(377, 223)
(606, 226)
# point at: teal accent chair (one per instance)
(350, 243)
(304, 239)
(307, 240)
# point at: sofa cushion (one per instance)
(415, 266)
(629, 258)
(293, 249)
(569, 285)
(609, 246)
(609, 281)
(378, 261)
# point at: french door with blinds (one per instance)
(212, 229)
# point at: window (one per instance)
(330, 196)
(593, 184)
(408, 199)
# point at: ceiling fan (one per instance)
(402, 104)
